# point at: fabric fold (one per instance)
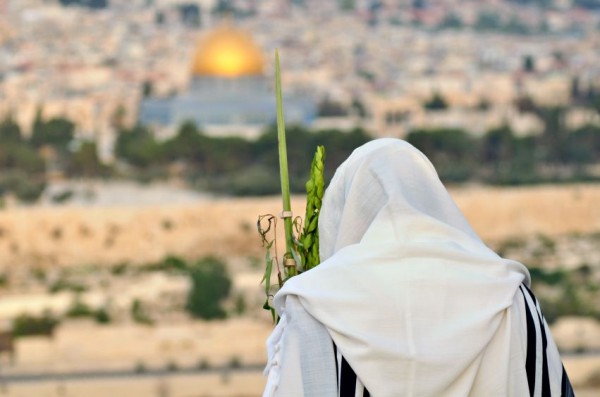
(413, 299)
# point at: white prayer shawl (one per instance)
(412, 298)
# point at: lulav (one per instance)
(302, 251)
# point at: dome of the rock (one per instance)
(228, 52)
(228, 92)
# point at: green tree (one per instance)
(210, 286)
(22, 185)
(27, 325)
(10, 132)
(138, 147)
(38, 122)
(488, 20)
(22, 167)
(555, 135)
(17, 156)
(84, 161)
(595, 104)
(57, 132)
(359, 107)
(510, 160)
(529, 63)
(139, 314)
(102, 316)
(451, 21)
(330, 108)
(583, 145)
(449, 149)
(227, 154)
(79, 309)
(436, 102)
(498, 145)
(147, 89)
(189, 145)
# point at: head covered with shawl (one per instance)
(411, 296)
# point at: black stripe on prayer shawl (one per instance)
(531, 360)
(347, 380)
(545, 377)
(531, 347)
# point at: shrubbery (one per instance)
(236, 166)
(79, 309)
(63, 284)
(139, 313)
(23, 160)
(501, 158)
(28, 325)
(240, 167)
(210, 286)
(232, 165)
(171, 264)
(572, 292)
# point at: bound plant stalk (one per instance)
(301, 252)
(291, 267)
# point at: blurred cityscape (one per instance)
(380, 59)
(137, 146)
(122, 88)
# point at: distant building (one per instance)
(228, 93)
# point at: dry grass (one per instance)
(226, 228)
(77, 236)
(499, 213)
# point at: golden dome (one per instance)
(228, 52)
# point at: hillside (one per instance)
(72, 236)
